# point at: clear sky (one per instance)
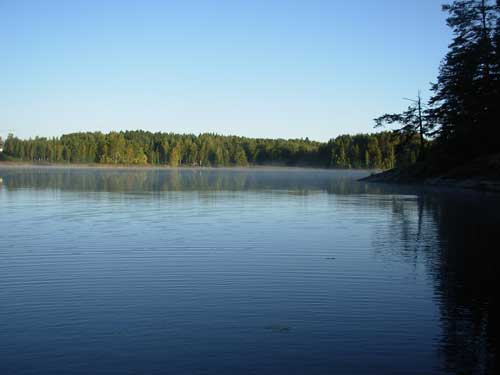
(259, 68)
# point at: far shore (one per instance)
(277, 167)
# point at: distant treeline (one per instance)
(380, 150)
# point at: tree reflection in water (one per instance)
(455, 234)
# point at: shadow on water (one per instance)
(455, 235)
(466, 277)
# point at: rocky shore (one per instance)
(481, 174)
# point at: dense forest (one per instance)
(381, 150)
(461, 121)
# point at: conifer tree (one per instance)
(466, 94)
(415, 120)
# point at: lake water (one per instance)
(272, 271)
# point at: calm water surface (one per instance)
(243, 271)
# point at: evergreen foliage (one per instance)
(463, 115)
(465, 104)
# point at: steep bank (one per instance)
(480, 174)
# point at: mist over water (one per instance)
(266, 271)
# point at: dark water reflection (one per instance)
(454, 234)
(244, 271)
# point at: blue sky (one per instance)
(288, 69)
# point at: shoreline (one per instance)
(481, 174)
(392, 177)
(28, 165)
(476, 183)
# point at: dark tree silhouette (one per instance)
(466, 95)
(415, 120)
(461, 120)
